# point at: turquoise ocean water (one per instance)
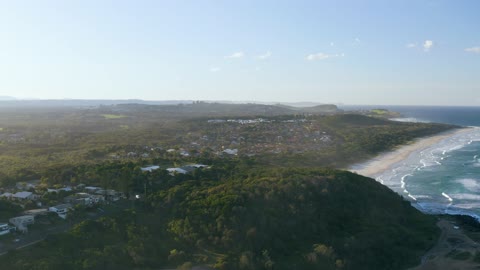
(445, 177)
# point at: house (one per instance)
(66, 189)
(173, 171)
(150, 168)
(96, 199)
(61, 210)
(27, 185)
(4, 228)
(92, 189)
(109, 194)
(196, 166)
(79, 199)
(36, 212)
(231, 151)
(184, 153)
(24, 195)
(22, 222)
(6, 195)
(84, 199)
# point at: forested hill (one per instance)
(237, 218)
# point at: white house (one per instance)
(231, 151)
(36, 212)
(61, 210)
(92, 189)
(173, 171)
(4, 228)
(150, 168)
(22, 222)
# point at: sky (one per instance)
(395, 52)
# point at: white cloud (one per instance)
(215, 69)
(473, 49)
(235, 55)
(427, 45)
(411, 45)
(265, 56)
(322, 56)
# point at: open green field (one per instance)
(113, 116)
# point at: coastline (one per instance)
(385, 161)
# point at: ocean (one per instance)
(445, 177)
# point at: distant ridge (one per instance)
(191, 106)
(3, 98)
(84, 102)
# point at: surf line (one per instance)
(446, 196)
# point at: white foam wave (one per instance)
(379, 179)
(422, 196)
(446, 196)
(466, 196)
(402, 181)
(411, 196)
(470, 184)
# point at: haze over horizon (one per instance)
(374, 52)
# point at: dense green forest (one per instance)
(255, 219)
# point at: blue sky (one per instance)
(354, 52)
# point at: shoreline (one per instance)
(385, 161)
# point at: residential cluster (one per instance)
(30, 195)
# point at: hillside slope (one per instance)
(268, 219)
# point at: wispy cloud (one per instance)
(215, 69)
(427, 45)
(411, 45)
(265, 56)
(235, 55)
(473, 50)
(322, 56)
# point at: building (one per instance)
(24, 195)
(4, 228)
(61, 210)
(84, 199)
(36, 212)
(150, 168)
(109, 195)
(79, 199)
(22, 222)
(92, 189)
(231, 151)
(173, 171)
(6, 195)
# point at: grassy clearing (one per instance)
(113, 116)
(379, 111)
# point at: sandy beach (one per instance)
(385, 161)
